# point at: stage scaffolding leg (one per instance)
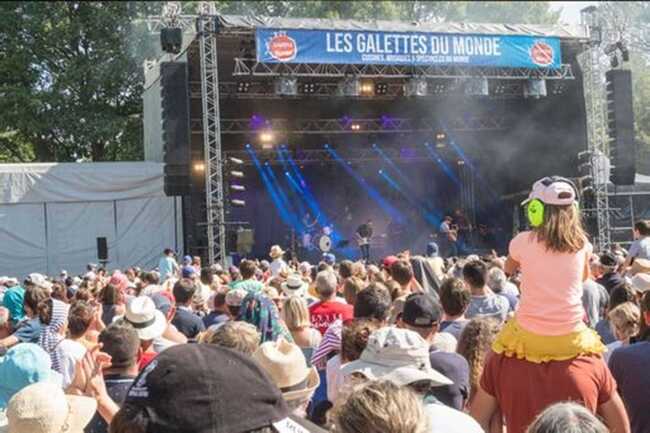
(594, 93)
(214, 200)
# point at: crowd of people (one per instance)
(552, 338)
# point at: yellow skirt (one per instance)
(514, 341)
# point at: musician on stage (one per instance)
(363, 235)
(448, 237)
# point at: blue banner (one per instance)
(394, 48)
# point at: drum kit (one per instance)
(318, 239)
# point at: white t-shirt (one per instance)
(443, 419)
(277, 266)
(71, 352)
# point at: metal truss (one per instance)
(214, 197)
(467, 192)
(594, 94)
(250, 67)
(365, 126)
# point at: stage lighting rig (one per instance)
(367, 88)
(198, 167)
(381, 88)
(286, 86)
(534, 88)
(355, 126)
(440, 139)
(243, 86)
(349, 86)
(234, 175)
(308, 88)
(266, 137)
(476, 86)
(416, 86)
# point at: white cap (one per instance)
(554, 191)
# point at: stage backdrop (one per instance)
(52, 214)
(400, 48)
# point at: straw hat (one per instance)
(142, 314)
(640, 266)
(641, 283)
(285, 364)
(276, 252)
(44, 408)
(294, 286)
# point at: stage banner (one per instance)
(384, 48)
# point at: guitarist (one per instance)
(449, 237)
(363, 235)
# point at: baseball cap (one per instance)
(421, 310)
(204, 388)
(388, 261)
(398, 355)
(553, 191)
(187, 260)
(329, 258)
(188, 271)
(22, 365)
(40, 281)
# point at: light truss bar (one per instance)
(155, 23)
(249, 67)
(366, 126)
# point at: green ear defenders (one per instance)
(535, 207)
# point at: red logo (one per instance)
(281, 47)
(542, 54)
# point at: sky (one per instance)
(570, 10)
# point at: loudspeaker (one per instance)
(620, 126)
(102, 250)
(175, 100)
(245, 241)
(171, 39)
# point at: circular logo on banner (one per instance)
(542, 54)
(281, 47)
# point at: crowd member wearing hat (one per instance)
(629, 366)
(381, 406)
(329, 259)
(401, 356)
(295, 285)
(240, 336)
(260, 311)
(38, 280)
(296, 316)
(567, 417)
(149, 324)
(328, 309)
(21, 366)
(278, 264)
(610, 278)
(120, 341)
(44, 408)
(640, 248)
(185, 320)
(454, 299)
(13, 299)
(234, 299)
(248, 281)
(165, 303)
(422, 314)
(53, 315)
(641, 284)
(183, 391)
(285, 364)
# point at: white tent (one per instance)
(52, 214)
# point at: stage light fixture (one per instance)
(286, 86)
(237, 188)
(355, 126)
(534, 88)
(440, 139)
(381, 88)
(308, 88)
(236, 174)
(237, 203)
(237, 161)
(199, 167)
(438, 88)
(243, 87)
(367, 88)
(266, 136)
(460, 162)
(415, 86)
(349, 86)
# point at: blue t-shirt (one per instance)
(640, 248)
(629, 366)
(454, 328)
(166, 267)
(28, 331)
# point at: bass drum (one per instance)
(325, 243)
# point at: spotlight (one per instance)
(441, 139)
(243, 86)
(381, 88)
(326, 146)
(286, 86)
(237, 203)
(248, 146)
(534, 88)
(198, 167)
(367, 88)
(460, 162)
(416, 86)
(266, 136)
(438, 88)
(237, 188)
(381, 171)
(236, 174)
(349, 86)
(237, 161)
(308, 88)
(354, 126)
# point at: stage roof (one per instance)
(245, 23)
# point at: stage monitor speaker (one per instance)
(102, 249)
(171, 39)
(620, 126)
(175, 100)
(245, 241)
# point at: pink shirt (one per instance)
(551, 286)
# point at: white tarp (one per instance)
(52, 214)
